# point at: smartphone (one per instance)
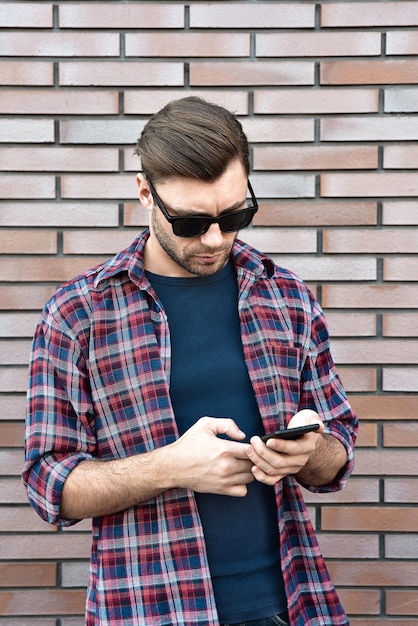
(291, 433)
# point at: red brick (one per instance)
(369, 129)
(28, 574)
(99, 186)
(378, 241)
(324, 100)
(372, 14)
(51, 158)
(318, 268)
(342, 546)
(27, 186)
(367, 436)
(11, 462)
(356, 490)
(43, 270)
(135, 215)
(396, 269)
(97, 241)
(369, 185)
(401, 100)
(144, 101)
(281, 239)
(12, 491)
(65, 102)
(100, 131)
(372, 574)
(42, 602)
(15, 352)
(91, 16)
(351, 324)
(360, 601)
(11, 434)
(251, 73)
(12, 407)
(23, 519)
(318, 44)
(401, 490)
(23, 130)
(262, 15)
(59, 44)
(400, 324)
(107, 73)
(382, 463)
(400, 212)
(283, 185)
(375, 351)
(75, 574)
(315, 158)
(358, 379)
(401, 602)
(370, 296)
(369, 518)
(400, 379)
(402, 42)
(400, 157)
(267, 130)
(380, 621)
(60, 214)
(315, 213)
(23, 73)
(26, 15)
(385, 407)
(187, 44)
(402, 546)
(18, 297)
(368, 72)
(28, 242)
(54, 545)
(401, 435)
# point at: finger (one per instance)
(225, 426)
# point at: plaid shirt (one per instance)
(99, 389)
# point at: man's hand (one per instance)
(315, 458)
(206, 463)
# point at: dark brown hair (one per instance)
(191, 138)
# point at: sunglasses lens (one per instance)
(190, 227)
(236, 221)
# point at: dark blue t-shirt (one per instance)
(209, 377)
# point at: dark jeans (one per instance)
(275, 620)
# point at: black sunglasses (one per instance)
(194, 226)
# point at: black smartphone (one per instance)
(291, 433)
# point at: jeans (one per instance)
(275, 620)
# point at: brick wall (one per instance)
(328, 95)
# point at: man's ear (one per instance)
(144, 193)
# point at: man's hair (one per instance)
(191, 138)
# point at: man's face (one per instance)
(170, 255)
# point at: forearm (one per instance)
(324, 464)
(96, 488)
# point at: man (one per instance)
(153, 378)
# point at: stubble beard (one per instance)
(186, 262)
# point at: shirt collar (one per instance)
(131, 261)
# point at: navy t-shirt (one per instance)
(209, 377)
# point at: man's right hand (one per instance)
(204, 462)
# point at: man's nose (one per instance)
(212, 237)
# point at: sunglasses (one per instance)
(196, 225)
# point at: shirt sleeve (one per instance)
(59, 418)
(322, 391)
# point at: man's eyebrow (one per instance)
(189, 212)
